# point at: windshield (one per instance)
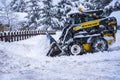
(79, 20)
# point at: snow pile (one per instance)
(10, 62)
(29, 48)
(35, 47)
(26, 60)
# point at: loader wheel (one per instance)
(75, 49)
(99, 44)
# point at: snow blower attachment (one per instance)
(54, 47)
(85, 32)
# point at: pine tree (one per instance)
(18, 5)
(64, 7)
(88, 5)
(47, 15)
(33, 13)
(110, 8)
(117, 6)
(7, 16)
(97, 4)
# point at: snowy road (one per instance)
(27, 61)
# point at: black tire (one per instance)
(75, 49)
(99, 44)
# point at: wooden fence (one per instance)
(21, 35)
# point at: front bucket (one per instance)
(54, 50)
(54, 47)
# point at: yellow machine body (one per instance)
(110, 37)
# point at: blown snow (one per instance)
(27, 60)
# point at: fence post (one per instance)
(27, 33)
(8, 36)
(1, 36)
(22, 35)
(11, 33)
(5, 37)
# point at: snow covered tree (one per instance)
(64, 7)
(117, 6)
(18, 5)
(88, 5)
(96, 4)
(33, 13)
(7, 17)
(46, 15)
(112, 6)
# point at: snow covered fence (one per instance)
(21, 35)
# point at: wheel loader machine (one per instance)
(84, 32)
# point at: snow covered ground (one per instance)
(26, 60)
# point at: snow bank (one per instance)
(35, 47)
(10, 62)
(26, 60)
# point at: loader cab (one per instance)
(79, 18)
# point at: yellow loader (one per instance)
(84, 32)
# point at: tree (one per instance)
(64, 7)
(114, 7)
(46, 15)
(7, 16)
(18, 5)
(33, 13)
(96, 4)
(117, 6)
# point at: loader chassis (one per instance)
(87, 33)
